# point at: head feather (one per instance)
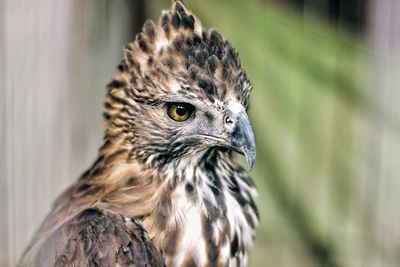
(176, 56)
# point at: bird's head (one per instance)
(180, 90)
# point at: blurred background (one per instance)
(325, 107)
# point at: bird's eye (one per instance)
(180, 111)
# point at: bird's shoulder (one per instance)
(97, 237)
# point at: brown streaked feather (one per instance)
(95, 237)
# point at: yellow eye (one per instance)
(179, 111)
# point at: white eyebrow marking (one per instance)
(235, 106)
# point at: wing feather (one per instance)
(96, 237)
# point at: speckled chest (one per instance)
(206, 219)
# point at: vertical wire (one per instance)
(10, 26)
(4, 250)
(375, 140)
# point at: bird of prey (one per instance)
(165, 189)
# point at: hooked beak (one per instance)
(242, 138)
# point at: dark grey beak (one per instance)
(242, 138)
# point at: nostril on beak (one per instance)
(228, 120)
(229, 123)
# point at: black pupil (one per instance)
(180, 110)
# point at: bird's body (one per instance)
(165, 189)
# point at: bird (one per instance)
(166, 188)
